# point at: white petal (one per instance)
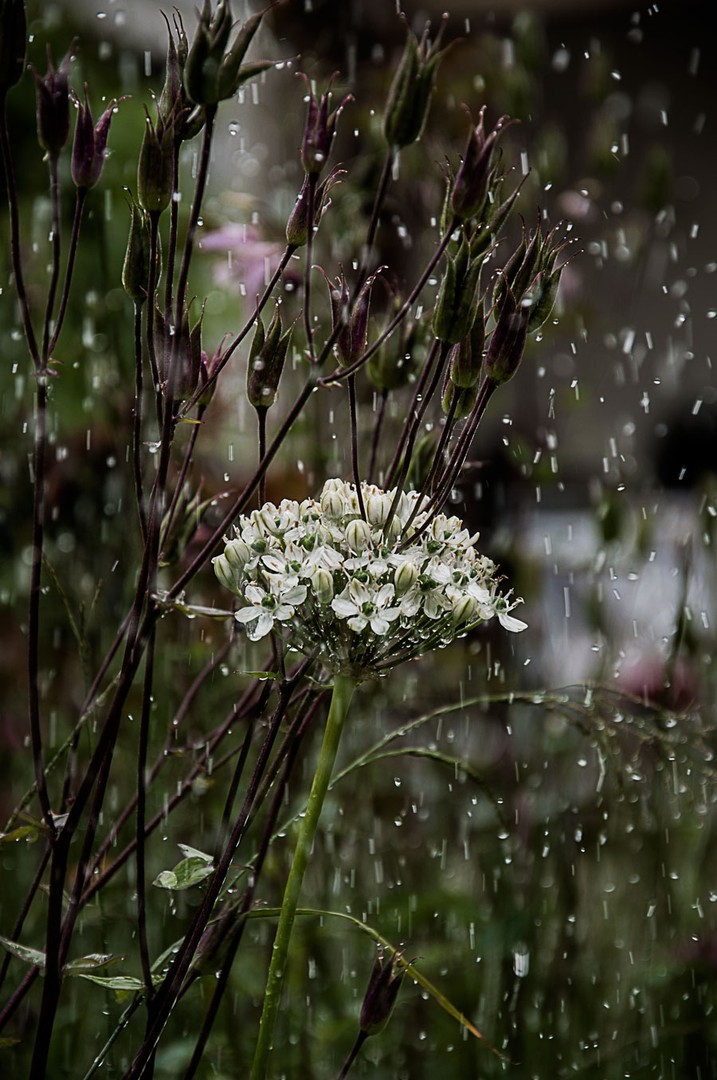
(344, 608)
(508, 622)
(261, 627)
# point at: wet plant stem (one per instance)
(55, 271)
(376, 435)
(309, 330)
(140, 832)
(352, 1054)
(137, 420)
(344, 687)
(69, 270)
(353, 414)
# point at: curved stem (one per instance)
(344, 687)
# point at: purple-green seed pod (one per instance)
(266, 362)
(90, 144)
(410, 95)
(381, 993)
(53, 105)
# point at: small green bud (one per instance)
(266, 362)
(410, 94)
(297, 227)
(155, 167)
(457, 302)
(211, 74)
(458, 401)
(135, 271)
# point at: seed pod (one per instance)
(266, 362)
(410, 95)
(381, 993)
(53, 105)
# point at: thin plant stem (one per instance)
(343, 373)
(137, 420)
(344, 687)
(308, 328)
(261, 432)
(56, 242)
(353, 415)
(33, 633)
(140, 833)
(171, 987)
(378, 202)
(376, 436)
(418, 396)
(352, 1055)
(26, 905)
(80, 199)
(248, 898)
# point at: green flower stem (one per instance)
(340, 700)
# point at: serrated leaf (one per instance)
(89, 962)
(185, 874)
(24, 952)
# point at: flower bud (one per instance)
(13, 43)
(381, 993)
(90, 144)
(351, 342)
(297, 227)
(457, 303)
(224, 573)
(411, 89)
(266, 362)
(135, 271)
(405, 577)
(458, 401)
(470, 190)
(238, 553)
(378, 505)
(358, 534)
(332, 504)
(466, 357)
(319, 130)
(323, 585)
(465, 610)
(507, 341)
(53, 105)
(155, 166)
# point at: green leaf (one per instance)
(30, 833)
(89, 962)
(24, 952)
(121, 985)
(186, 873)
(194, 853)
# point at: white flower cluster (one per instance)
(364, 592)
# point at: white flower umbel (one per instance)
(363, 595)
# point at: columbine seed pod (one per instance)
(90, 144)
(135, 271)
(381, 993)
(53, 105)
(458, 400)
(410, 95)
(319, 129)
(457, 302)
(266, 362)
(155, 166)
(507, 341)
(470, 190)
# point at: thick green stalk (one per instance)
(340, 700)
